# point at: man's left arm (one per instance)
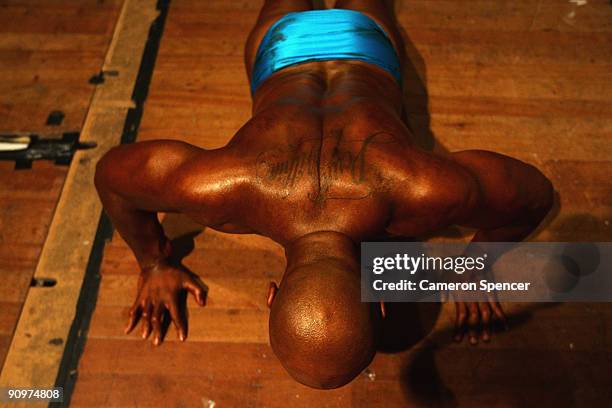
(513, 198)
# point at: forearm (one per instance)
(129, 180)
(529, 211)
(510, 233)
(514, 197)
(515, 232)
(140, 229)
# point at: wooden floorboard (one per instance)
(47, 55)
(526, 78)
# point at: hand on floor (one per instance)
(162, 297)
(477, 319)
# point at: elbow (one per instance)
(100, 174)
(549, 195)
(104, 171)
(544, 202)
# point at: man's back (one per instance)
(319, 147)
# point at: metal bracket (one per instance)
(23, 149)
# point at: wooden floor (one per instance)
(48, 53)
(522, 78)
(532, 79)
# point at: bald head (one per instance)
(319, 329)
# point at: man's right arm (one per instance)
(137, 181)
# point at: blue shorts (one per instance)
(323, 35)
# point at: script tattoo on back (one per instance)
(286, 167)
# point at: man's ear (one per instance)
(272, 293)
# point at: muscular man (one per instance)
(324, 163)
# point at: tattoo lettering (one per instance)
(285, 168)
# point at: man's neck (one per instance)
(323, 245)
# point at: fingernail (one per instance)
(181, 337)
(473, 340)
(156, 341)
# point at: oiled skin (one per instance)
(325, 151)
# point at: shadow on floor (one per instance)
(414, 89)
(478, 375)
